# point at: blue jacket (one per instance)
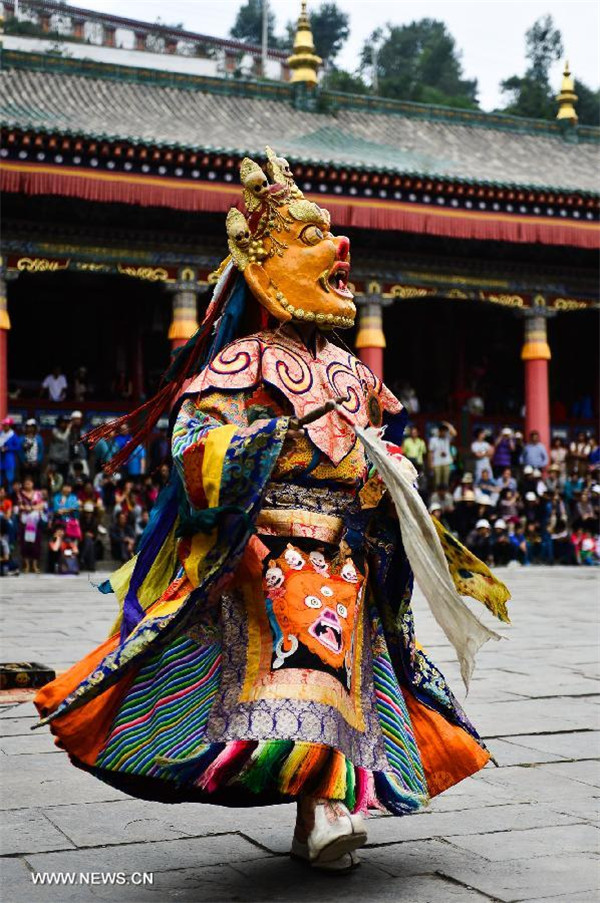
(9, 451)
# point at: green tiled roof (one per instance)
(143, 106)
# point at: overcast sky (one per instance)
(490, 33)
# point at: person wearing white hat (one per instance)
(479, 540)
(77, 450)
(502, 548)
(32, 452)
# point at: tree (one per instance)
(330, 28)
(346, 82)
(588, 104)
(532, 95)
(418, 62)
(248, 24)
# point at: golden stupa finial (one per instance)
(303, 60)
(567, 97)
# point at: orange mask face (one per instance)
(313, 608)
(293, 264)
(305, 276)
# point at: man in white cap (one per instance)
(32, 452)
(479, 540)
(502, 548)
(77, 449)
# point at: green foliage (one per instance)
(331, 29)
(418, 62)
(346, 82)
(531, 94)
(543, 47)
(248, 24)
(588, 104)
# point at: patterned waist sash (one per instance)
(312, 511)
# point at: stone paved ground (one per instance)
(522, 832)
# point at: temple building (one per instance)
(474, 235)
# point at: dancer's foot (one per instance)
(326, 832)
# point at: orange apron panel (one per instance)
(447, 752)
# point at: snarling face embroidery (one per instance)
(313, 608)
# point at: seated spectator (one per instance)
(486, 483)
(553, 480)
(532, 508)
(89, 546)
(585, 547)
(535, 454)
(465, 485)
(585, 515)
(465, 513)
(122, 538)
(517, 537)
(443, 498)
(435, 509)
(65, 505)
(479, 540)
(502, 549)
(508, 506)
(534, 542)
(506, 480)
(528, 481)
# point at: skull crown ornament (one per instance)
(293, 264)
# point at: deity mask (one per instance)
(314, 609)
(294, 266)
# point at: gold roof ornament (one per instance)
(567, 98)
(303, 61)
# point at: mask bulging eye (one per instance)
(312, 602)
(311, 235)
(342, 610)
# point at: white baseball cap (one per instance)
(528, 469)
(500, 524)
(482, 523)
(531, 497)
(76, 415)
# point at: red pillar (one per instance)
(4, 327)
(370, 340)
(535, 356)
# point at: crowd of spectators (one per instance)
(509, 500)
(59, 511)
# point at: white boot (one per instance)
(335, 834)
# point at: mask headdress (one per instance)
(282, 251)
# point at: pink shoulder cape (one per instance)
(306, 380)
